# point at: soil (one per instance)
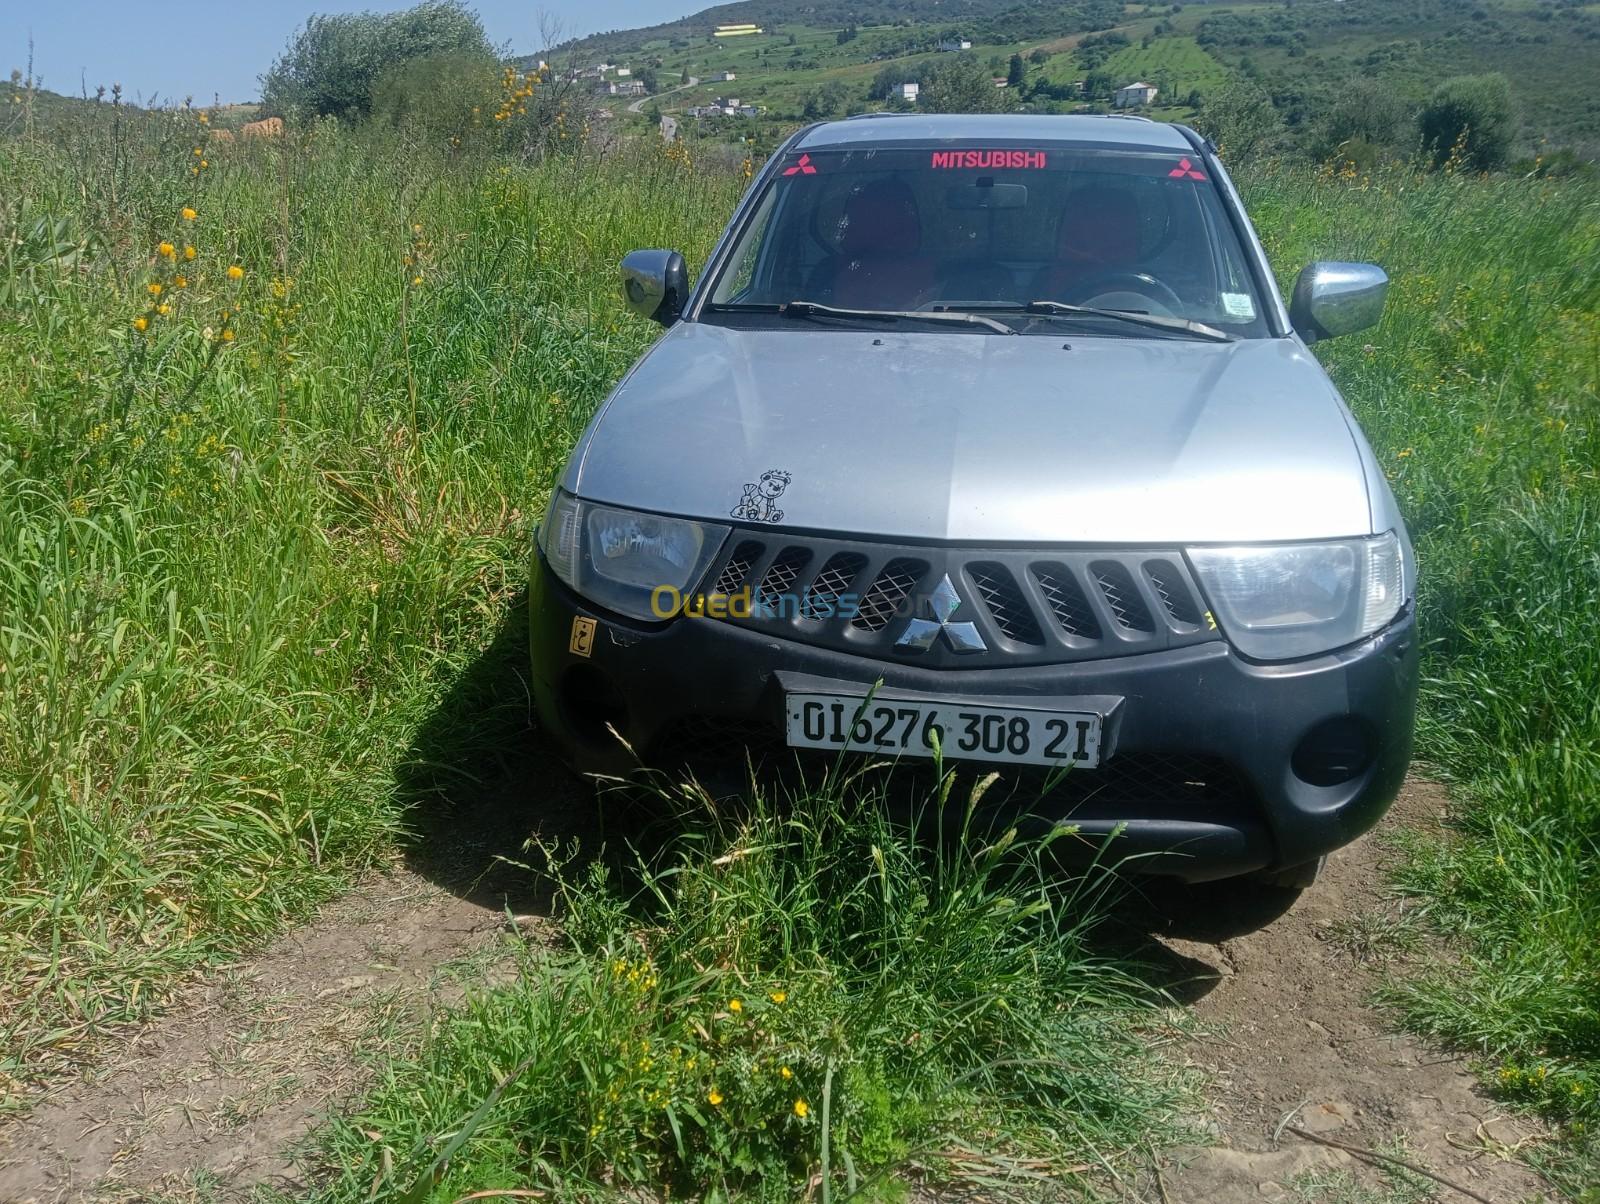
(216, 1097)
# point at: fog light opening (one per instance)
(592, 704)
(1335, 751)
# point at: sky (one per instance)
(170, 49)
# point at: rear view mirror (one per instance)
(986, 194)
(1331, 299)
(655, 284)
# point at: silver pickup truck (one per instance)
(992, 436)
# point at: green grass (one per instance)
(796, 986)
(236, 575)
(1481, 391)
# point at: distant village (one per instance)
(612, 79)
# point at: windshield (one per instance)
(994, 228)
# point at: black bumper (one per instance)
(1266, 723)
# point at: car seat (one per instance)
(877, 263)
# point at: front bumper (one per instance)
(1196, 704)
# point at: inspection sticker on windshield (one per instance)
(1238, 305)
(988, 159)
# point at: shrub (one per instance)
(1468, 120)
(331, 66)
(1240, 119)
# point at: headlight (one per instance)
(618, 558)
(1292, 600)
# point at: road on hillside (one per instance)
(638, 105)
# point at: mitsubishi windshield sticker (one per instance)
(988, 159)
(1186, 171)
(760, 500)
(801, 167)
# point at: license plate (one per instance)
(900, 727)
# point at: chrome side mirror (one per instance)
(655, 284)
(1331, 299)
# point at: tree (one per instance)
(1473, 113)
(684, 78)
(647, 77)
(1039, 57)
(824, 101)
(332, 64)
(1366, 114)
(956, 83)
(435, 98)
(1016, 73)
(1240, 119)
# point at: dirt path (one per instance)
(215, 1097)
(223, 1088)
(1287, 1029)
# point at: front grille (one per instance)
(832, 583)
(999, 591)
(1067, 602)
(736, 571)
(777, 583)
(1116, 583)
(1173, 592)
(887, 593)
(1029, 607)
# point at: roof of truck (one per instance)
(881, 128)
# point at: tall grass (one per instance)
(1481, 391)
(797, 995)
(243, 549)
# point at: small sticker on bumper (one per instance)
(582, 641)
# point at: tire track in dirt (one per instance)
(240, 1070)
(1286, 1027)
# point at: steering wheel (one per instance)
(1142, 283)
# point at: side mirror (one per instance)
(1331, 299)
(655, 284)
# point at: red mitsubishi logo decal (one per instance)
(1185, 171)
(804, 167)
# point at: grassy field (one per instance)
(255, 522)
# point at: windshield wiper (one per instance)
(1060, 309)
(815, 309)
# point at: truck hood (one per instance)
(973, 438)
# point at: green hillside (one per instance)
(1305, 55)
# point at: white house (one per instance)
(624, 72)
(906, 92)
(1135, 95)
(955, 44)
(723, 77)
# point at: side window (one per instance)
(741, 275)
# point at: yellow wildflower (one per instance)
(163, 310)
(153, 288)
(714, 1098)
(736, 1006)
(801, 1108)
(180, 281)
(235, 272)
(188, 252)
(189, 214)
(1402, 453)
(197, 152)
(416, 280)
(166, 250)
(778, 996)
(227, 336)
(786, 1072)
(141, 322)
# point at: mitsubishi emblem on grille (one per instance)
(920, 633)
